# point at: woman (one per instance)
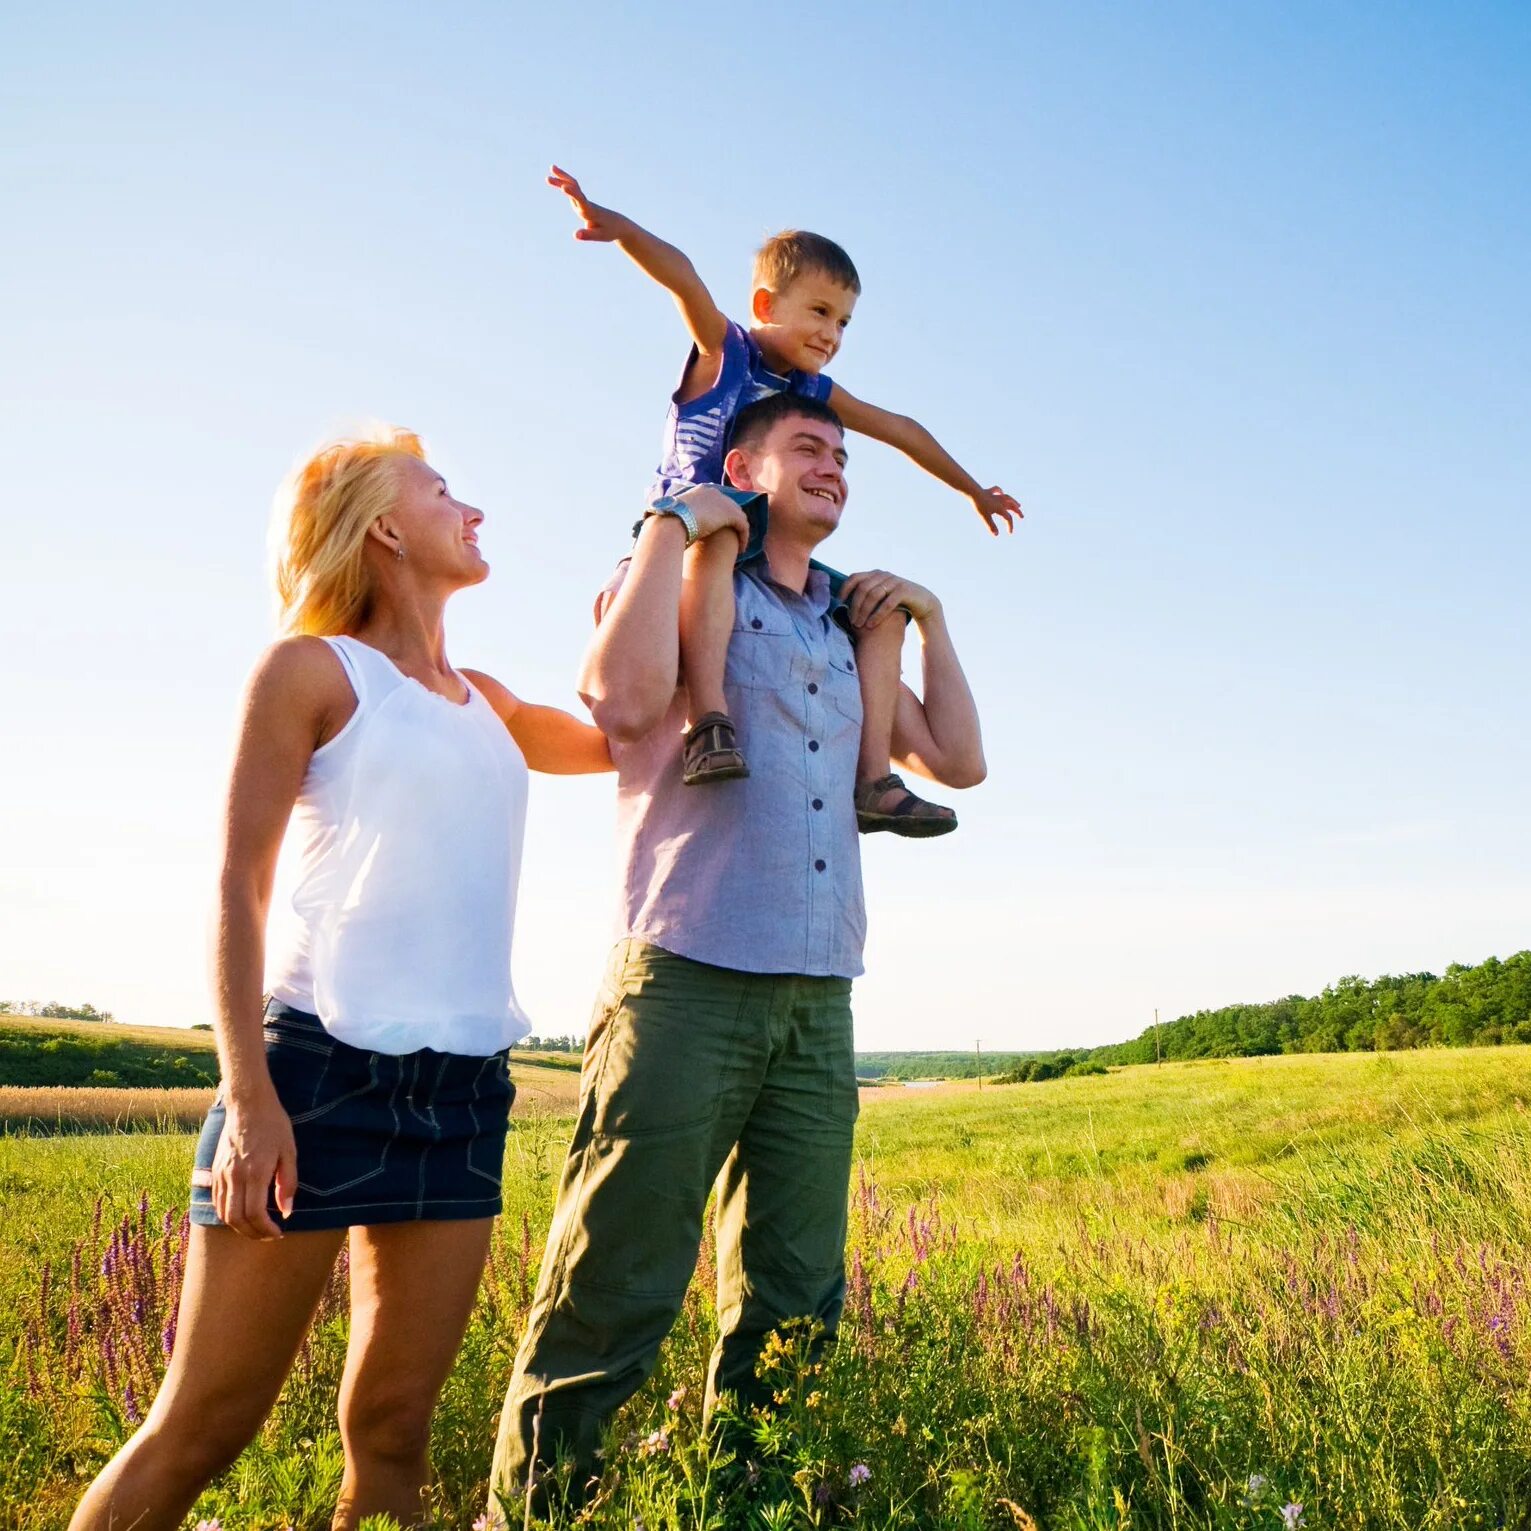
(375, 1096)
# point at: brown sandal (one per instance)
(712, 754)
(911, 816)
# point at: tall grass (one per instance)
(1269, 1293)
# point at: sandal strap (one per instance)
(908, 806)
(714, 723)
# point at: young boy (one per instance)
(805, 289)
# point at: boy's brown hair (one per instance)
(794, 252)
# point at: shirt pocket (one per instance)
(844, 683)
(761, 650)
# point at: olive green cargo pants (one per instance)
(691, 1074)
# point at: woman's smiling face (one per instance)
(438, 533)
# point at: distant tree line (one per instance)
(53, 1011)
(1482, 1006)
(553, 1044)
(1064, 1065)
(935, 1065)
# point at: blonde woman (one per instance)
(370, 1099)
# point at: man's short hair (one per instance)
(786, 256)
(755, 422)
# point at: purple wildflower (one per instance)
(859, 1474)
(1291, 1516)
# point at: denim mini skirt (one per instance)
(381, 1137)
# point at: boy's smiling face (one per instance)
(802, 326)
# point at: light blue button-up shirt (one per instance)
(761, 875)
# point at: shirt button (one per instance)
(818, 866)
(850, 664)
(813, 744)
(818, 803)
(813, 688)
(755, 622)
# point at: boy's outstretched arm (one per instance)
(916, 443)
(667, 265)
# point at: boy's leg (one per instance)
(883, 802)
(707, 620)
(782, 1197)
(706, 624)
(674, 1058)
(879, 659)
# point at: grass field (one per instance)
(1262, 1293)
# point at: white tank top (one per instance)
(408, 828)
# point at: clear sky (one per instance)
(1234, 298)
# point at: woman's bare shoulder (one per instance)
(299, 669)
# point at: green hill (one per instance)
(38, 1051)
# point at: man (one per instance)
(721, 1046)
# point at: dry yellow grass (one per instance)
(61, 1108)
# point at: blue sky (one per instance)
(1233, 298)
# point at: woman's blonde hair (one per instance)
(319, 528)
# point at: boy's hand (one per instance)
(994, 505)
(715, 511)
(601, 223)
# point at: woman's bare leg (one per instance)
(412, 1292)
(245, 1307)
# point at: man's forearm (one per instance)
(632, 666)
(950, 711)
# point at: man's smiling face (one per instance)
(800, 464)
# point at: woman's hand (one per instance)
(256, 1149)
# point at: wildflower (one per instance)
(814, 1399)
(209, 1525)
(656, 1443)
(676, 1399)
(859, 1474)
(1254, 1490)
(490, 1520)
(1291, 1516)
(823, 1494)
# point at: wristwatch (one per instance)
(669, 505)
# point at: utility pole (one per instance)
(1158, 1056)
(978, 1053)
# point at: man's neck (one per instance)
(788, 562)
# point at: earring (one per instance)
(398, 553)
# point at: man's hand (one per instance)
(875, 595)
(994, 505)
(601, 223)
(715, 512)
